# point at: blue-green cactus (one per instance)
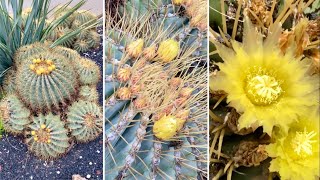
(14, 115)
(89, 72)
(84, 119)
(47, 137)
(45, 81)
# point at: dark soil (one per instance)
(16, 163)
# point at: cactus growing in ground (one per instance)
(155, 96)
(89, 93)
(87, 39)
(46, 80)
(14, 115)
(84, 119)
(47, 137)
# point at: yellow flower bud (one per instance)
(140, 102)
(38, 61)
(38, 72)
(124, 74)
(50, 68)
(34, 61)
(43, 126)
(168, 50)
(167, 127)
(124, 93)
(33, 133)
(32, 67)
(42, 70)
(49, 62)
(48, 141)
(53, 66)
(150, 52)
(186, 92)
(177, 2)
(35, 138)
(135, 48)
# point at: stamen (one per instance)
(262, 88)
(302, 142)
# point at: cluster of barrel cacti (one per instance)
(87, 39)
(155, 92)
(51, 99)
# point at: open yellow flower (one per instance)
(296, 154)
(268, 88)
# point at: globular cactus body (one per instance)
(45, 81)
(89, 72)
(85, 120)
(13, 114)
(9, 81)
(89, 93)
(46, 137)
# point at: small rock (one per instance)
(77, 177)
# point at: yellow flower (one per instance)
(267, 87)
(167, 127)
(296, 153)
(168, 50)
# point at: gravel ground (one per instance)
(83, 159)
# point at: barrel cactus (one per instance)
(47, 137)
(9, 81)
(155, 92)
(89, 93)
(14, 114)
(46, 80)
(85, 120)
(87, 39)
(89, 72)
